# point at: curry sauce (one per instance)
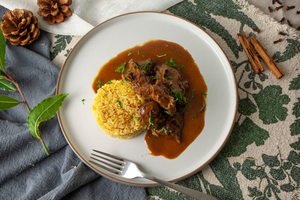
(161, 51)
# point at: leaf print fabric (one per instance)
(261, 158)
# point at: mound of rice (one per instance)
(116, 110)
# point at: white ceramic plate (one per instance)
(105, 42)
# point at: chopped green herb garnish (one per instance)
(203, 106)
(120, 104)
(168, 76)
(168, 112)
(155, 77)
(121, 69)
(123, 81)
(129, 70)
(159, 56)
(129, 54)
(193, 92)
(178, 96)
(147, 99)
(171, 63)
(146, 67)
(109, 82)
(195, 117)
(203, 94)
(150, 122)
(170, 83)
(163, 129)
(187, 110)
(135, 65)
(138, 52)
(99, 83)
(131, 117)
(136, 118)
(83, 101)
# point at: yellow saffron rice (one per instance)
(116, 108)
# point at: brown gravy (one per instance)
(160, 51)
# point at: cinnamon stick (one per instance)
(254, 60)
(266, 57)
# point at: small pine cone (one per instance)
(20, 27)
(54, 11)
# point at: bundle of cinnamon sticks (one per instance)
(254, 60)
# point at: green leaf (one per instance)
(295, 174)
(287, 187)
(295, 127)
(2, 50)
(250, 173)
(294, 157)
(296, 145)
(244, 135)
(254, 192)
(278, 174)
(290, 51)
(270, 103)
(271, 161)
(296, 108)
(287, 165)
(246, 107)
(247, 84)
(262, 77)
(6, 85)
(295, 83)
(7, 102)
(59, 45)
(44, 111)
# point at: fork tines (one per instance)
(111, 163)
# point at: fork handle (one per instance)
(192, 193)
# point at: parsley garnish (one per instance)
(168, 112)
(150, 122)
(99, 83)
(204, 93)
(120, 104)
(171, 63)
(163, 129)
(123, 81)
(193, 92)
(109, 82)
(136, 118)
(159, 56)
(203, 106)
(155, 77)
(131, 117)
(129, 54)
(195, 117)
(168, 76)
(135, 65)
(146, 67)
(121, 69)
(178, 96)
(129, 70)
(83, 101)
(138, 52)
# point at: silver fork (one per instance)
(130, 170)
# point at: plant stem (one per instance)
(18, 89)
(47, 152)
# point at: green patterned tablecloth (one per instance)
(261, 158)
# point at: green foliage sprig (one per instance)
(44, 111)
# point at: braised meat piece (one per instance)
(174, 126)
(164, 89)
(161, 95)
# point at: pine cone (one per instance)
(54, 11)
(20, 27)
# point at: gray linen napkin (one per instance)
(26, 172)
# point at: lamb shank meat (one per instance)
(164, 89)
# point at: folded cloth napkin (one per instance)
(26, 172)
(87, 14)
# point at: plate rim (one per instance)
(147, 184)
